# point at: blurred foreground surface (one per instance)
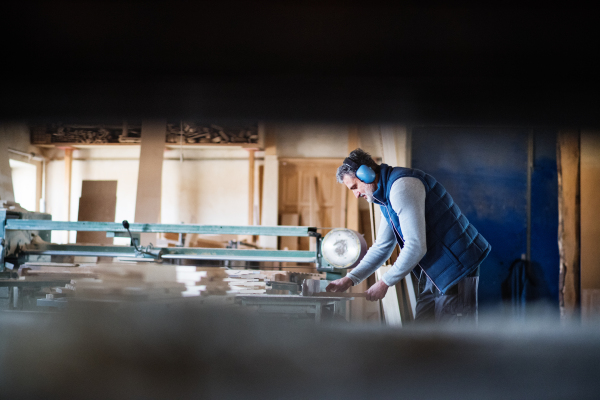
(183, 351)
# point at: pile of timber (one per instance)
(216, 281)
(116, 281)
(191, 133)
(51, 271)
(148, 281)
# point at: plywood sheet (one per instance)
(98, 202)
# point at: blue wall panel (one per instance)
(485, 171)
(544, 220)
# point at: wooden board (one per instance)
(269, 211)
(390, 305)
(308, 188)
(289, 242)
(394, 146)
(569, 223)
(98, 202)
(149, 185)
(338, 294)
(590, 204)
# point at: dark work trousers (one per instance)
(458, 305)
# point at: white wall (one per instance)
(312, 141)
(12, 136)
(211, 192)
(209, 187)
(24, 177)
(122, 171)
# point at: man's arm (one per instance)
(375, 257)
(407, 196)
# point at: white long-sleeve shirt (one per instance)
(407, 196)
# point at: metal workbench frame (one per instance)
(21, 222)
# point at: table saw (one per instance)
(25, 237)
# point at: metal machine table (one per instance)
(291, 304)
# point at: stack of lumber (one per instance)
(191, 133)
(126, 281)
(58, 292)
(50, 271)
(248, 281)
(214, 283)
(148, 281)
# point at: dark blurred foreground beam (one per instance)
(168, 351)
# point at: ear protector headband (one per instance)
(363, 172)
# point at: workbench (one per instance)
(293, 304)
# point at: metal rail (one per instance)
(88, 226)
(191, 253)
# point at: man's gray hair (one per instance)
(360, 157)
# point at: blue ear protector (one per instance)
(364, 173)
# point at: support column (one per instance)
(352, 215)
(270, 202)
(68, 169)
(149, 185)
(251, 186)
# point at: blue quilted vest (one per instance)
(454, 247)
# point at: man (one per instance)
(437, 241)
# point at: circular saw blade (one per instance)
(343, 248)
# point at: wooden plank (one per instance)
(590, 228)
(352, 219)
(360, 308)
(352, 214)
(270, 193)
(289, 242)
(68, 169)
(391, 309)
(98, 202)
(39, 186)
(395, 141)
(569, 223)
(270, 208)
(394, 148)
(338, 294)
(251, 186)
(590, 304)
(315, 210)
(344, 208)
(149, 185)
(261, 175)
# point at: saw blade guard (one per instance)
(343, 248)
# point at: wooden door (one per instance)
(308, 188)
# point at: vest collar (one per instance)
(381, 193)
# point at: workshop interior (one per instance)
(170, 217)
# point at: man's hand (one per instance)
(377, 291)
(339, 285)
